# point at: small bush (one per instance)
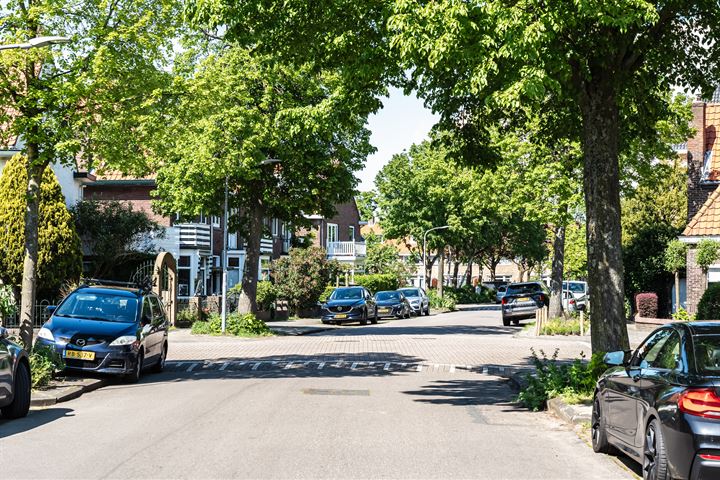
(326, 293)
(378, 282)
(682, 315)
(709, 305)
(246, 325)
(466, 294)
(553, 379)
(561, 326)
(266, 295)
(446, 302)
(647, 304)
(186, 317)
(45, 362)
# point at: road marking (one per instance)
(403, 365)
(354, 366)
(387, 366)
(485, 370)
(321, 365)
(419, 367)
(192, 367)
(452, 368)
(289, 365)
(224, 366)
(370, 364)
(257, 365)
(240, 364)
(338, 364)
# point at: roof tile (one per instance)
(706, 221)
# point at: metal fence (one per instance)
(41, 315)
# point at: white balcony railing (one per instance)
(346, 249)
(266, 245)
(194, 235)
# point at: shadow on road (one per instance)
(424, 330)
(466, 392)
(36, 418)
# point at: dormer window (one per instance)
(707, 166)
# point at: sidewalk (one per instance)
(636, 334)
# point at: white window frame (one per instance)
(332, 227)
(351, 233)
(215, 219)
(275, 227)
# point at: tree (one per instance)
(59, 256)
(111, 232)
(614, 60)
(84, 101)
(367, 205)
(383, 258)
(675, 261)
(279, 138)
(302, 276)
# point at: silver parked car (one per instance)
(521, 300)
(15, 380)
(418, 299)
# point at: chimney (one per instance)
(698, 191)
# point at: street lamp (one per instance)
(226, 232)
(36, 43)
(424, 251)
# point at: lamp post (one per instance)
(226, 232)
(36, 43)
(424, 250)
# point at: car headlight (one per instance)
(124, 340)
(46, 334)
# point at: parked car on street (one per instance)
(500, 293)
(15, 378)
(660, 404)
(521, 300)
(392, 303)
(349, 304)
(109, 329)
(571, 303)
(576, 287)
(418, 299)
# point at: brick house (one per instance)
(703, 164)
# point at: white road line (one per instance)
(338, 364)
(192, 367)
(452, 368)
(419, 367)
(257, 365)
(321, 365)
(224, 366)
(305, 365)
(403, 365)
(370, 364)
(289, 365)
(485, 370)
(387, 366)
(354, 366)
(240, 364)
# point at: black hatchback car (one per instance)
(111, 330)
(349, 304)
(392, 303)
(521, 300)
(661, 403)
(15, 378)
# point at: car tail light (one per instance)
(504, 301)
(703, 402)
(707, 456)
(572, 302)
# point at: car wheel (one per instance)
(137, 369)
(160, 365)
(363, 320)
(21, 401)
(427, 311)
(375, 318)
(516, 322)
(655, 464)
(597, 430)
(506, 321)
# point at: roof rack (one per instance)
(145, 285)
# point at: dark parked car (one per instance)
(521, 300)
(112, 330)
(392, 304)
(15, 377)
(349, 304)
(661, 403)
(418, 299)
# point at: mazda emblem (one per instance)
(339, 309)
(80, 342)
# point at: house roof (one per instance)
(706, 221)
(115, 177)
(712, 138)
(715, 96)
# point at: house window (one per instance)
(183, 272)
(707, 165)
(351, 233)
(215, 221)
(233, 262)
(233, 241)
(265, 265)
(275, 227)
(713, 274)
(332, 233)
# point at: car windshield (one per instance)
(387, 296)
(575, 287)
(523, 289)
(707, 354)
(99, 306)
(347, 294)
(413, 292)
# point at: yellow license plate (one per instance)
(523, 299)
(384, 310)
(341, 315)
(80, 355)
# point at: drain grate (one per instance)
(333, 391)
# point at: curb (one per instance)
(58, 393)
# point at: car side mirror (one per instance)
(4, 333)
(616, 358)
(50, 309)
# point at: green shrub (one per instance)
(378, 282)
(8, 307)
(45, 362)
(553, 379)
(247, 325)
(446, 302)
(266, 295)
(186, 317)
(682, 315)
(302, 277)
(561, 326)
(709, 305)
(466, 294)
(326, 293)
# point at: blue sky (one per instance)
(402, 121)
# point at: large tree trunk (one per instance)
(469, 272)
(32, 223)
(247, 303)
(601, 137)
(428, 271)
(456, 272)
(556, 274)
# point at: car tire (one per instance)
(364, 319)
(427, 311)
(506, 321)
(655, 462)
(598, 435)
(516, 322)
(160, 365)
(134, 377)
(374, 320)
(21, 400)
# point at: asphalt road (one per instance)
(326, 408)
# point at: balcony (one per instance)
(266, 245)
(194, 235)
(346, 249)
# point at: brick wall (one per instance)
(136, 195)
(347, 216)
(696, 281)
(698, 191)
